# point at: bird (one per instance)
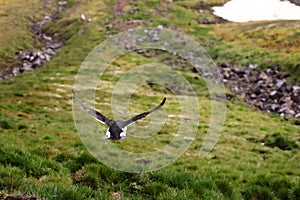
(116, 128)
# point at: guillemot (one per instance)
(116, 128)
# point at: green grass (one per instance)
(16, 19)
(264, 43)
(41, 153)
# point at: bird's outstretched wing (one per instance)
(98, 116)
(140, 116)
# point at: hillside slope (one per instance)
(257, 155)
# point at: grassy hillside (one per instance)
(265, 43)
(16, 19)
(41, 153)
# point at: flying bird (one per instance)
(116, 128)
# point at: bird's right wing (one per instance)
(97, 115)
(140, 116)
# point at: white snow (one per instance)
(255, 10)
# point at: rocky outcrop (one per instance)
(28, 60)
(267, 90)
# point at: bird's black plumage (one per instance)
(116, 128)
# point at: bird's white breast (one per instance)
(122, 134)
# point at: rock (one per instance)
(296, 97)
(281, 83)
(296, 89)
(289, 112)
(224, 65)
(296, 94)
(18, 53)
(42, 56)
(27, 66)
(143, 160)
(48, 57)
(275, 107)
(251, 66)
(21, 197)
(49, 51)
(150, 82)
(62, 3)
(263, 76)
(226, 74)
(46, 19)
(29, 60)
(25, 56)
(82, 16)
(272, 71)
(15, 71)
(135, 10)
(45, 37)
(155, 39)
(160, 27)
(37, 63)
(266, 90)
(109, 26)
(54, 46)
(275, 94)
(253, 96)
(32, 58)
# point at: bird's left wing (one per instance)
(140, 116)
(97, 115)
